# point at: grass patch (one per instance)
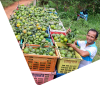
(83, 26)
(81, 37)
(6, 3)
(97, 57)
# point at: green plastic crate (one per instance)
(48, 39)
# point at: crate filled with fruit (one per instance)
(57, 27)
(51, 10)
(40, 58)
(61, 44)
(58, 37)
(69, 58)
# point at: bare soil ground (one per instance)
(9, 10)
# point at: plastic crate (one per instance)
(18, 42)
(66, 65)
(21, 43)
(64, 30)
(56, 33)
(59, 74)
(60, 23)
(48, 31)
(50, 9)
(54, 12)
(49, 41)
(43, 63)
(42, 77)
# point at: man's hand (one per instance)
(72, 45)
(68, 30)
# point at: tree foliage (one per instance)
(93, 6)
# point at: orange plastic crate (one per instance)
(43, 63)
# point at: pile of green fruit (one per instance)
(40, 50)
(41, 33)
(36, 40)
(67, 52)
(56, 27)
(71, 36)
(59, 38)
(28, 20)
(50, 10)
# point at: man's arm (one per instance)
(81, 52)
(75, 42)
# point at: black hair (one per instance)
(94, 31)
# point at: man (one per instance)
(88, 49)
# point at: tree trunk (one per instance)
(57, 5)
(64, 6)
(93, 8)
(79, 7)
(34, 2)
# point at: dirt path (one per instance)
(9, 9)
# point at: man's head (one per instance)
(92, 35)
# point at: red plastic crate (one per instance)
(19, 42)
(56, 33)
(42, 77)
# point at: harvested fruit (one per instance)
(62, 36)
(73, 56)
(67, 52)
(69, 41)
(29, 33)
(52, 26)
(51, 53)
(46, 35)
(69, 55)
(43, 29)
(62, 55)
(37, 24)
(40, 50)
(26, 50)
(38, 27)
(59, 38)
(70, 48)
(29, 20)
(65, 39)
(18, 25)
(73, 39)
(24, 31)
(30, 48)
(61, 41)
(18, 38)
(41, 37)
